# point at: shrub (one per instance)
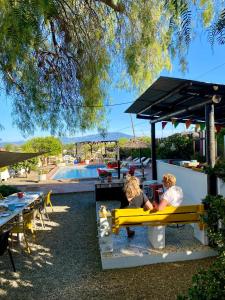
(218, 170)
(210, 284)
(183, 147)
(7, 190)
(3, 169)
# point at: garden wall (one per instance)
(193, 183)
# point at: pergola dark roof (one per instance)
(183, 100)
(177, 98)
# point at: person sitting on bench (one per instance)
(173, 196)
(135, 198)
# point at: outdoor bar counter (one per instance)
(109, 190)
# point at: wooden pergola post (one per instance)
(153, 148)
(76, 150)
(140, 155)
(91, 146)
(118, 158)
(210, 147)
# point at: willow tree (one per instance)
(57, 56)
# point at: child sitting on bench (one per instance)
(173, 195)
(135, 198)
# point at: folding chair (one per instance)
(4, 245)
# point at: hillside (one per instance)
(111, 136)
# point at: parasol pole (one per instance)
(132, 124)
(118, 159)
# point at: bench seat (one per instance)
(138, 216)
(186, 214)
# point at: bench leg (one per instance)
(156, 236)
(105, 235)
(201, 235)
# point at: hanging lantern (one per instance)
(195, 135)
(172, 148)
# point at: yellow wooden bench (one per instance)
(187, 214)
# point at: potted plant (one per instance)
(42, 174)
(87, 159)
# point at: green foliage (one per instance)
(7, 190)
(215, 206)
(208, 11)
(200, 158)
(57, 57)
(50, 145)
(183, 147)
(126, 152)
(69, 147)
(11, 147)
(218, 170)
(210, 284)
(217, 29)
(28, 165)
(220, 142)
(3, 169)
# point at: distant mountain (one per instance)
(111, 136)
(18, 143)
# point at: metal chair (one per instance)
(43, 204)
(48, 201)
(4, 245)
(1, 197)
(27, 224)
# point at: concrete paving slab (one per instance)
(120, 251)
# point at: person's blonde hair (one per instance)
(169, 179)
(132, 187)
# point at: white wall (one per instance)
(221, 187)
(193, 183)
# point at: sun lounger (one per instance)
(129, 162)
(135, 159)
(138, 164)
(146, 162)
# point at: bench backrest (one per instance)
(138, 216)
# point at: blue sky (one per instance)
(205, 64)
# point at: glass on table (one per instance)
(20, 195)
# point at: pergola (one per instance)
(173, 98)
(91, 143)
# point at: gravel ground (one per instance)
(65, 263)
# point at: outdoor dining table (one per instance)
(15, 205)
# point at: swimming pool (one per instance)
(89, 171)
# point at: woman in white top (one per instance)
(173, 195)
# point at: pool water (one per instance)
(89, 171)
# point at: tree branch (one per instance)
(53, 35)
(117, 7)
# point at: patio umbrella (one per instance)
(10, 158)
(136, 144)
